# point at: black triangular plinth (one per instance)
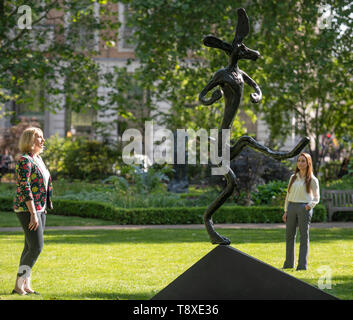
(226, 273)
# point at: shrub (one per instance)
(252, 169)
(175, 215)
(170, 215)
(79, 158)
(6, 203)
(136, 180)
(345, 183)
(272, 193)
(342, 216)
(329, 171)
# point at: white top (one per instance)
(45, 173)
(298, 192)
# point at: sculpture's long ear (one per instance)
(243, 26)
(213, 42)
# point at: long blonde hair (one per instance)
(308, 174)
(26, 143)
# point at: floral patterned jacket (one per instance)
(30, 185)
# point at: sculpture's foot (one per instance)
(215, 237)
(218, 239)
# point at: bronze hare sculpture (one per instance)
(231, 80)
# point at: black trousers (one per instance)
(33, 242)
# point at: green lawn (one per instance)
(136, 264)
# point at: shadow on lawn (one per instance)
(83, 296)
(183, 236)
(105, 296)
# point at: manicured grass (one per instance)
(136, 264)
(9, 219)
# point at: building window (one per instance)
(42, 31)
(79, 20)
(31, 106)
(125, 43)
(82, 123)
(79, 123)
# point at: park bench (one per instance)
(337, 200)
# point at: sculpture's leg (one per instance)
(278, 155)
(215, 237)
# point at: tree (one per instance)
(128, 101)
(56, 49)
(305, 71)
(168, 38)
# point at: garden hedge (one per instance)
(172, 215)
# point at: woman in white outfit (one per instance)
(302, 196)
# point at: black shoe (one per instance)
(15, 292)
(34, 292)
(301, 268)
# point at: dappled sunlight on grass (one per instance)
(137, 264)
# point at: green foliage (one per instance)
(54, 154)
(135, 180)
(7, 189)
(130, 198)
(175, 215)
(295, 49)
(343, 216)
(167, 215)
(31, 55)
(169, 70)
(350, 166)
(79, 158)
(272, 193)
(147, 180)
(129, 99)
(329, 170)
(120, 184)
(6, 202)
(304, 70)
(116, 196)
(345, 183)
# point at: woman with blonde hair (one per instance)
(33, 198)
(302, 196)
